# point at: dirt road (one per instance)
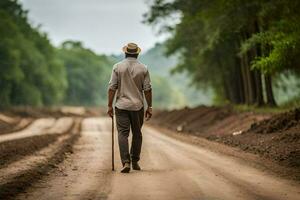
(171, 170)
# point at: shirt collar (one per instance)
(130, 58)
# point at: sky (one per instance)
(104, 26)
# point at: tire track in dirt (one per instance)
(15, 146)
(22, 173)
(86, 173)
(39, 126)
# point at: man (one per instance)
(131, 80)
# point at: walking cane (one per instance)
(112, 146)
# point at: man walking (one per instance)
(131, 80)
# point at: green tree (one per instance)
(87, 74)
(236, 46)
(30, 73)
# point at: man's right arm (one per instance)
(113, 86)
(111, 96)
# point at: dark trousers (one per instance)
(126, 119)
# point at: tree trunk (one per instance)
(239, 83)
(269, 91)
(244, 72)
(245, 81)
(226, 89)
(241, 79)
(258, 53)
(250, 80)
(259, 91)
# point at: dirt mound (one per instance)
(36, 112)
(190, 120)
(63, 111)
(279, 122)
(206, 121)
(276, 137)
(283, 147)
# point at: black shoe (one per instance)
(126, 168)
(136, 166)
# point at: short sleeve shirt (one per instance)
(130, 78)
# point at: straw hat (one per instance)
(131, 48)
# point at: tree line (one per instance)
(234, 46)
(34, 72)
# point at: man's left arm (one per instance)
(148, 95)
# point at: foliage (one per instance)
(33, 72)
(234, 46)
(180, 93)
(280, 33)
(164, 95)
(30, 73)
(230, 47)
(87, 74)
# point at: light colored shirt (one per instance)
(130, 78)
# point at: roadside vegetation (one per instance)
(219, 52)
(36, 73)
(243, 50)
